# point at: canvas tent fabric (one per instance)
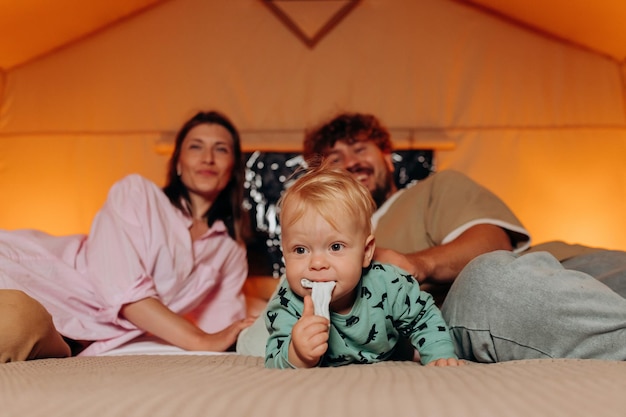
(596, 25)
(539, 121)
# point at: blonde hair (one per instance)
(330, 192)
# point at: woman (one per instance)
(151, 256)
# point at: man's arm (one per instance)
(441, 264)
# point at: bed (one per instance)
(149, 378)
(186, 385)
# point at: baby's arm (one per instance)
(419, 319)
(446, 362)
(309, 338)
(430, 334)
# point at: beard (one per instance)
(383, 188)
(383, 184)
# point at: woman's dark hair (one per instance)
(228, 206)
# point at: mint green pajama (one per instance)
(389, 305)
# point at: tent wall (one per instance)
(539, 122)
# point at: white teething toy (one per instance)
(321, 292)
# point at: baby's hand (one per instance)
(446, 362)
(309, 337)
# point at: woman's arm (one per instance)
(441, 264)
(154, 317)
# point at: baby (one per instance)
(328, 247)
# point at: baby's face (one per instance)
(315, 250)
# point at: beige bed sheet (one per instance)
(234, 385)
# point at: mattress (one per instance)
(238, 385)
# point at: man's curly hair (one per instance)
(349, 127)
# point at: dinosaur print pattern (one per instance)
(388, 306)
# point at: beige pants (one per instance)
(26, 330)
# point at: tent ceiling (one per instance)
(33, 28)
(597, 25)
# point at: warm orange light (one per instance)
(562, 185)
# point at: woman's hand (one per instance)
(223, 340)
(154, 317)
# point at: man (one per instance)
(452, 234)
(460, 219)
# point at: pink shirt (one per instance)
(139, 246)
